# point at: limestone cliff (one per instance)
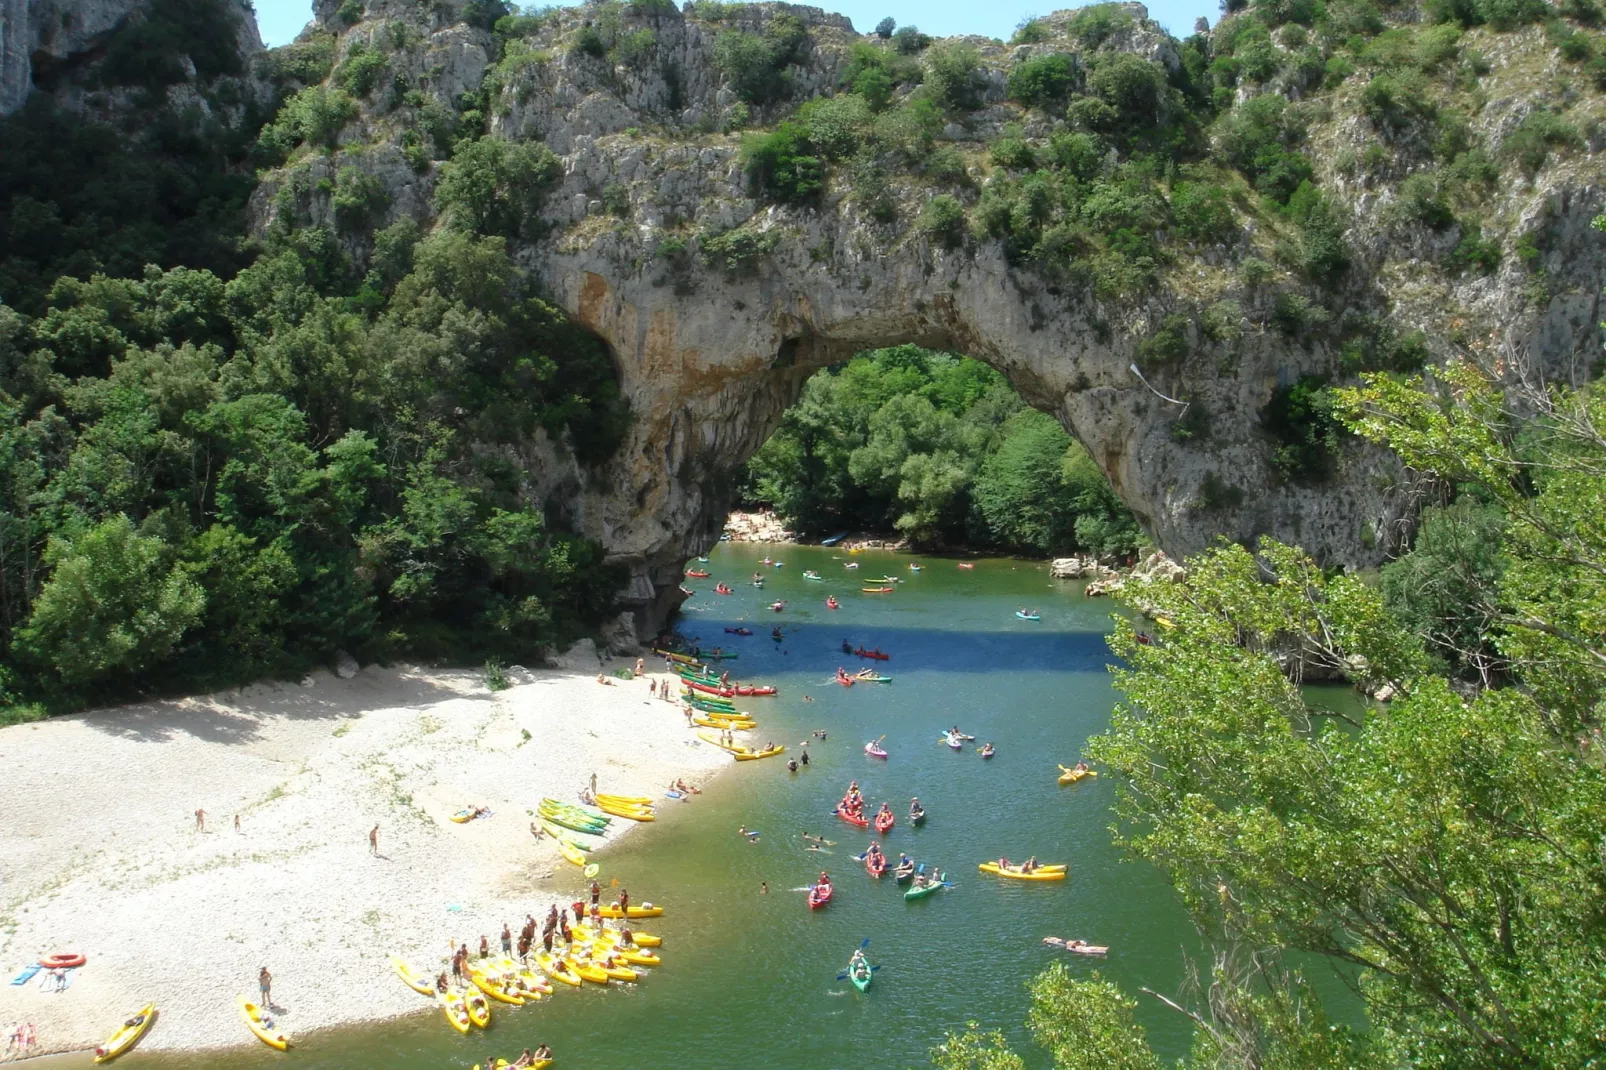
(42, 42)
(719, 298)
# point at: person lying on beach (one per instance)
(601, 679)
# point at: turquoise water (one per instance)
(749, 978)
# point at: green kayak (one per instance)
(862, 976)
(921, 893)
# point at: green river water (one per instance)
(749, 979)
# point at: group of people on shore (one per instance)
(557, 926)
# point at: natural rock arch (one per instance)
(710, 370)
(718, 306)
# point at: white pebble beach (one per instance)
(99, 853)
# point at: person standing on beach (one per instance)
(485, 947)
(237, 823)
(200, 821)
(507, 939)
(265, 986)
(552, 917)
(373, 840)
(624, 903)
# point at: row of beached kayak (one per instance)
(594, 956)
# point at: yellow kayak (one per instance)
(479, 1008)
(634, 956)
(531, 985)
(555, 968)
(127, 1034)
(462, 816)
(262, 1025)
(572, 853)
(721, 744)
(734, 724)
(586, 932)
(745, 755)
(1044, 873)
(452, 1006)
(411, 979)
(503, 1064)
(626, 800)
(646, 910)
(614, 972)
(735, 721)
(587, 970)
(1071, 776)
(630, 814)
(493, 986)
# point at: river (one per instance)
(749, 978)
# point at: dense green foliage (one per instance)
(223, 459)
(1444, 849)
(941, 450)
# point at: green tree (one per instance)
(492, 186)
(116, 603)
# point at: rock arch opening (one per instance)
(937, 451)
(712, 365)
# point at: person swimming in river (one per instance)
(847, 648)
(775, 633)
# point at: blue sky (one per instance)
(281, 20)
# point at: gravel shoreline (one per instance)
(99, 853)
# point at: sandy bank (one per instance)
(99, 852)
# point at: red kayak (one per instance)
(722, 589)
(819, 895)
(874, 655)
(850, 819)
(831, 603)
(884, 822)
(844, 679)
(876, 864)
(966, 564)
(697, 574)
(749, 689)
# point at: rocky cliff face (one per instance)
(40, 40)
(718, 305)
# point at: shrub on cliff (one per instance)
(492, 186)
(783, 166)
(755, 64)
(1042, 80)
